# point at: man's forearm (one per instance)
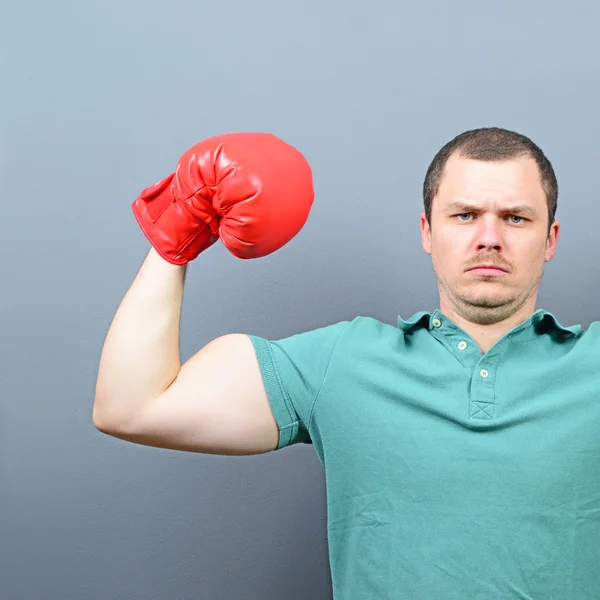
(140, 358)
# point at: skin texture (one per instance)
(488, 306)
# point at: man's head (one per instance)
(471, 193)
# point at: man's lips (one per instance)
(487, 269)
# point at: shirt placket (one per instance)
(483, 367)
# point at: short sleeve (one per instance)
(293, 370)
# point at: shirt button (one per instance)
(483, 373)
(462, 345)
(436, 323)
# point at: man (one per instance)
(461, 448)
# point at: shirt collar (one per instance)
(541, 320)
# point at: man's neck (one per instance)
(486, 335)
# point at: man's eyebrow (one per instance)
(463, 207)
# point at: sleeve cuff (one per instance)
(285, 415)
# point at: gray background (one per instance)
(99, 101)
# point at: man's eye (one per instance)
(521, 219)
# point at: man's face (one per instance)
(475, 221)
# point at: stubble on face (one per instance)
(488, 301)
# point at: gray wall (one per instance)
(100, 100)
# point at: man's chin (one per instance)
(484, 300)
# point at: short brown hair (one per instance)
(491, 144)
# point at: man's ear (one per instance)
(552, 241)
(425, 233)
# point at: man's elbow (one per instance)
(100, 423)
(104, 422)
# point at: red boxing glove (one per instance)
(251, 190)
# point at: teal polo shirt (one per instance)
(450, 474)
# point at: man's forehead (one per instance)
(515, 181)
